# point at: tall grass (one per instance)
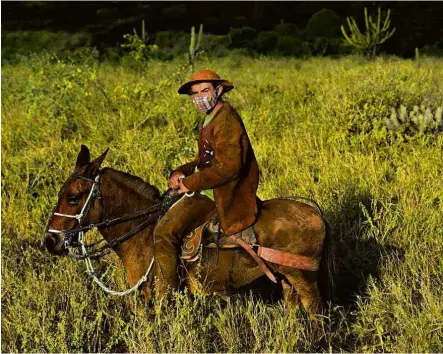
(317, 128)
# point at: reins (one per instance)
(156, 211)
(160, 208)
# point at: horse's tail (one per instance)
(327, 267)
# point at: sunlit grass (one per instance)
(317, 128)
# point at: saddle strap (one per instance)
(288, 259)
(251, 252)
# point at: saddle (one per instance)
(209, 235)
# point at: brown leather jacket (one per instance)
(226, 164)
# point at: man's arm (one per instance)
(187, 169)
(227, 161)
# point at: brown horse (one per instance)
(285, 225)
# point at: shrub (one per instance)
(216, 45)
(435, 50)
(266, 41)
(287, 29)
(169, 39)
(242, 37)
(27, 42)
(288, 45)
(324, 23)
(139, 50)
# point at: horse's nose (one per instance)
(53, 243)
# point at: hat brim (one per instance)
(185, 88)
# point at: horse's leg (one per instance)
(291, 297)
(304, 284)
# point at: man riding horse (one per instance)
(224, 178)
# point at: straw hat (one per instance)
(205, 76)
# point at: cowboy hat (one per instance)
(205, 76)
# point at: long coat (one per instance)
(226, 163)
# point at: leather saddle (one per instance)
(207, 235)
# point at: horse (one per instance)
(125, 210)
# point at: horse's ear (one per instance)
(94, 166)
(83, 157)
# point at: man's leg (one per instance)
(183, 217)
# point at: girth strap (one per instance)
(251, 252)
(288, 259)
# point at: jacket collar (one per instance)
(226, 106)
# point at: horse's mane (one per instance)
(135, 183)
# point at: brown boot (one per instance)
(187, 214)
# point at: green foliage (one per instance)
(375, 34)
(435, 50)
(420, 119)
(216, 45)
(243, 37)
(266, 41)
(318, 129)
(288, 29)
(323, 24)
(320, 46)
(26, 42)
(139, 50)
(289, 45)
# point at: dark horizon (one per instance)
(417, 23)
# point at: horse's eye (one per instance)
(73, 200)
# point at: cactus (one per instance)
(194, 47)
(375, 35)
(144, 37)
(139, 48)
(419, 119)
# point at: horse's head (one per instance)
(77, 204)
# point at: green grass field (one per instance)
(317, 128)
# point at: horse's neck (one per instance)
(123, 194)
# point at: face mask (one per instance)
(206, 103)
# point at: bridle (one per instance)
(71, 244)
(68, 234)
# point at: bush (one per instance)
(216, 45)
(27, 42)
(435, 50)
(324, 23)
(288, 45)
(322, 46)
(169, 39)
(243, 37)
(266, 41)
(287, 29)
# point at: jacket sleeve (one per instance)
(187, 169)
(227, 162)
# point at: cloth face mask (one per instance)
(206, 103)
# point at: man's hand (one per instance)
(173, 182)
(182, 188)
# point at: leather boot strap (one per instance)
(251, 252)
